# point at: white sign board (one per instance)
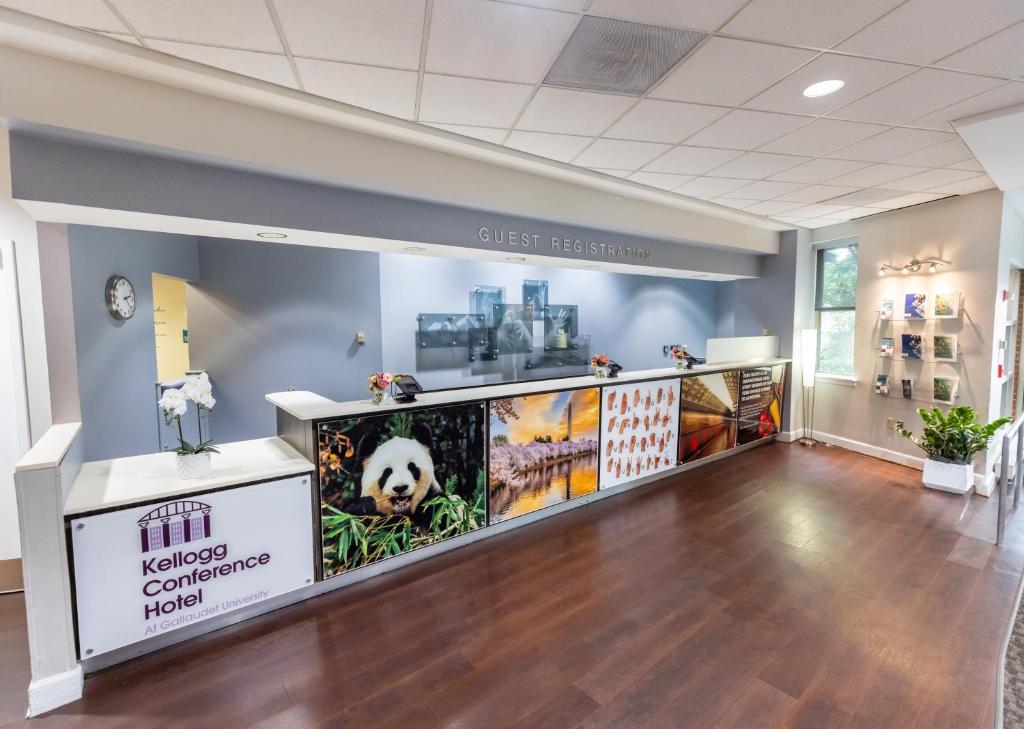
(141, 572)
(639, 423)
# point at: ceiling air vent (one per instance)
(618, 56)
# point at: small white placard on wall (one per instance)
(141, 572)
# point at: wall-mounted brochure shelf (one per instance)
(926, 360)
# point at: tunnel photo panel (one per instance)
(543, 451)
(639, 423)
(707, 415)
(393, 482)
(760, 408)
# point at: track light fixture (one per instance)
(914, 266)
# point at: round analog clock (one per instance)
(120, 298)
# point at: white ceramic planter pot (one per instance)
(194, 465)
(957, 478)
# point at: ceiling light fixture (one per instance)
(268, 234)
(415, 249)
(824, 88)
(515, 259)
(914, 266)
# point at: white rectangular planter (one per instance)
(957, 478)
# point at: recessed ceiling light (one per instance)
(415, 249)
(267, 234)
(515, 259)
(592, 266)
(823, 88)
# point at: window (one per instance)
(835, 295)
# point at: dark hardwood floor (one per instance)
(783, 587)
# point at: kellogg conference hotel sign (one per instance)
(141, 572)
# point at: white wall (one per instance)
(965, 230)
(14, 440)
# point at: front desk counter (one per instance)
(351, 489)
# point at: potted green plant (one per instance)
(951, 440)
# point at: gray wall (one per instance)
(117, 360)
(59, 313)
(628, 317)
(767, 302)
(266, 317)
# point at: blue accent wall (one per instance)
(117, 360)
(265, 317)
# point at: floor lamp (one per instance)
(808, 368)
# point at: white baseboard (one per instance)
(983, 484)
(788, 436)
(54, 691)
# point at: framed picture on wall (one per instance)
(915, 306)
(947, 305)
(944, 347)
(912, 346)
(944, 389)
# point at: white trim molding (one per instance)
(52, 692)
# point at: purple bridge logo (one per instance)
(175, 523)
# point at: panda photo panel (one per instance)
(392, 482)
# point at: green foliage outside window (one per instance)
(835, 299)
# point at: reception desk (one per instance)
(347, 490)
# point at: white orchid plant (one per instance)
(174, 403)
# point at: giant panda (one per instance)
(398, 476)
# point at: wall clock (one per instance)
(120, 295)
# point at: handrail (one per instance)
(1004, 470)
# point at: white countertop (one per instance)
(306, 405)
(51, 448)
(120, 481)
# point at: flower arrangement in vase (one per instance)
(379, 382)
(599, 363)
(193, 460)
(680, 356)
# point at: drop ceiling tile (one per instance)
(814, 223)
(905, 201)
(816, 193)
(893, 143)
(562, 147)
(858, 212)
(941, 155)
(923, 31)
(567, 111)
(619, 154)
(816, 211)
(464, 39)
(486, 134)
(971, 165)
(788, 219)
(706, 15)
(818, 170)
(614, 173)
(743, 129)
(243, 24)
(710, 187)
(92, 14)
(386, 90)
(764, 190)
(452, 100)
(728, 72)
(915, 95)
(664, 121)
(265, 66)
(660, 179)
(359, 31)
(123, 37)
(876, 175)
(998, 55)
(928, 180)
(734, 203)
(571, 6)
(862, 76)
(864, 197)
(821, 136)
(966, 187)
(770, 207)
(757, 165)
(1009, 94)
(817, 23)
(691, 160)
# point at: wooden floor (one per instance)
(782, 587)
